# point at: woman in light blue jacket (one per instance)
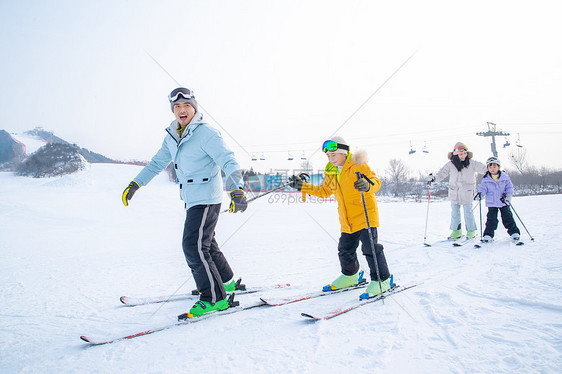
(199, 154)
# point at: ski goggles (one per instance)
(331, 146)
(175, 94)
(459, 150)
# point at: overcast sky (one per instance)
(282, 76)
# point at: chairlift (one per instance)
(290, 157)
(303, 156)
(254, 158)
(507, 143)
(412, 150)
(262, 157)
(424, 149)
(518, 142)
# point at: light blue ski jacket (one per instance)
(198, 156)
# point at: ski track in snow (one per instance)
(69, 250)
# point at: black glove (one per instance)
(296, 181)
(129, 192)
(362, 185)
(430, 178)
(478, 196)
(506, 199)
(238, 202)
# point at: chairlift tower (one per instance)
(493, 133)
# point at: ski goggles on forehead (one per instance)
(331, 146)
(175, 94)
(462, 149)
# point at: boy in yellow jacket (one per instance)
(341, 181)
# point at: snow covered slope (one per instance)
(69, 249)
(31, 142)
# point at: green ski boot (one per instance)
(344, 281)
(233, 285)
(455, 235)
(375, 289)
(471, 234)
(229, 286)
(203, 307)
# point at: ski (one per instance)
(516, 242)
(231, 310)
(310, 295)
(135, 301)
(462, 242)
(357, 304)
(437, 242)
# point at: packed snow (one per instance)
(69, 249)
(31, 142)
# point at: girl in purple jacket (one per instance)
(496, 187)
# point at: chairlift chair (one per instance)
(518, 142)
(507, 143)
(412, 150)
(254, 158)
(262, 157)
(424, 149)
(303, 156)
(290, 157)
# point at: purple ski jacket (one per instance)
(493, 190)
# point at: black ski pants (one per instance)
(347, 252)
(507, 220)
(208, 264)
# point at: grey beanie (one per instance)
(180, 97)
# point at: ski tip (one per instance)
(311, 317)
(86, 339)
(122, 299)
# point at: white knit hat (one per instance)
(339, 140)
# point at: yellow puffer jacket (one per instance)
(350, 205)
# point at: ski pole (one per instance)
(427, 216)
(480, 207)
(262, 195)
(373, 249)
(509, 203)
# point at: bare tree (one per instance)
(397, 173)
(518, 159)
(306, 166)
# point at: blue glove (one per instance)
(238, 201)
(129, 192)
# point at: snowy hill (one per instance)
(36, 138)
(32, 142)
(69, 249)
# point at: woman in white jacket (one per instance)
(461, 170)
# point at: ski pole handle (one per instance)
(360, 175)
(262, 195)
